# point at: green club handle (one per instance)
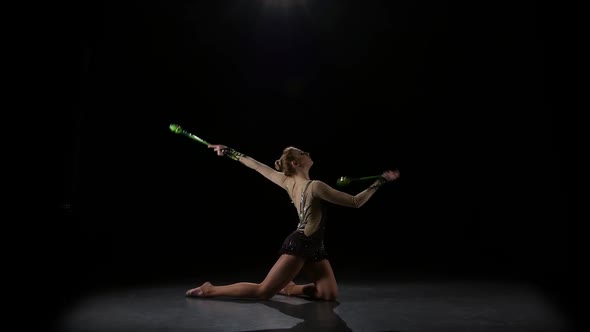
(345, 180)
(178, 130)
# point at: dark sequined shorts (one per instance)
(308, 247)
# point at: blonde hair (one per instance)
(283, 164)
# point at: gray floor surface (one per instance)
(470, 306)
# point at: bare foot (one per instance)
(287, 289)
(199, 291)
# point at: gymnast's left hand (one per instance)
(218, 148)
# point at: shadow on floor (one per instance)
(316, 315)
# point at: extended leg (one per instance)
(285, 269)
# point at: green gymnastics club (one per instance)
(178, 130)
(345, 180)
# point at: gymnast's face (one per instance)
(304, 158)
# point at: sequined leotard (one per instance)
(310, 244)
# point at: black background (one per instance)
(459, 98)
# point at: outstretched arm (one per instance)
(269, 173)
(334, 196)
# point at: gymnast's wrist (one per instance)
(380, 181)
(232, 154)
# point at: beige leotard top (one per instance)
(307, 195)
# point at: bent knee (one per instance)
(327, 295)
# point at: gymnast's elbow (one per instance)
(356, 203)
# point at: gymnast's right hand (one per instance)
(390, 175)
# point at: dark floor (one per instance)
(470, 306)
